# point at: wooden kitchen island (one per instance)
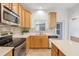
(39, 41)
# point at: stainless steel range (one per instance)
(17, 43)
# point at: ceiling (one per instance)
(48, 6)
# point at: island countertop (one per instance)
(5, 50)
(32, 34)
(68, 47)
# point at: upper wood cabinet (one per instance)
(22, 18)
(20, 14)
(52, 19)
(8, 5)
(25, 17)
(20, 10)
(15, 7)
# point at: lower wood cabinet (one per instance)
(55, 51)
(61, 54)
(39, 42)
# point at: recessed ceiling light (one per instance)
(40, 7)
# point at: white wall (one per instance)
(74, 24)
(61, 17)
(39, 15)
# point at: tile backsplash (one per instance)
(8, 28)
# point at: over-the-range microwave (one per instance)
(8, 16)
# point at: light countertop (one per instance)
(5, 50)
(31, 34)
(68, 47)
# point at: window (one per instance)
(40, 27)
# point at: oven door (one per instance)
(20, 50)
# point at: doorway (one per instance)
(59, 29)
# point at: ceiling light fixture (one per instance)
(40, 7)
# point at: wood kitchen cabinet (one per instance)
(60, 53)
(24, 14)
(22, 18)
(35, 42)
(20, 10)
(15, 7)
(44, 40)
(25, 17)
(52, 19)
(39, 42)
(55, 51)
(20, 14)
(12, 6)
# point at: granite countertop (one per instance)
(4, 35)
(68, 47)
(5, 50)
(31, 34)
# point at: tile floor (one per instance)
(39, 52)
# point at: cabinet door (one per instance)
(54, 50)
(44, 41)
(20, 10)
(32, 42)
(38, 43)
(20, 14)
(15, 7)
(52, 19)
(27, 19)
(35, 42)
(22, 18)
